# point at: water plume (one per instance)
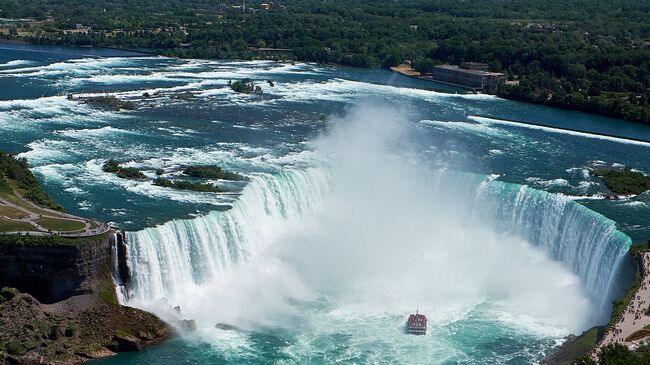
(372, 231)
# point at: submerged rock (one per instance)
(227, 327)
(188, 325)
(124, 342)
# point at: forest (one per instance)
(586, 55)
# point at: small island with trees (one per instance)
(195, 172)
(212, 172)
(186, 185)
(623, 181)
(124, 172)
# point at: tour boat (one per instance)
(416, 324)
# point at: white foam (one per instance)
(548, 183)
(106, 131)
(558, 130)
(468, 127)
(13, 63)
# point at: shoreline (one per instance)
(134, 53)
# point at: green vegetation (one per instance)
(212, 172)
(31, 240)
(54, 224)
(123, 172)
(584, 55)
(186, 185)
(107, 292)
(618, 354)
(15, 174)
(111, 166)
(575, 347)
(245, 86)
(130, 173)
(624, 181)
(13, 226)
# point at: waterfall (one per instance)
(191, 251)
(586, 241)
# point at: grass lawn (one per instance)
(9, 226)
(19, 202)
(11, 212)
(60, 224)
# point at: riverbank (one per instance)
(633, 325)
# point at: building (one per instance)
(469, 75)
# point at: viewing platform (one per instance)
(19, 216)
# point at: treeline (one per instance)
(618, 354)
(585, 54)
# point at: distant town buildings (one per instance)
(78, 29)
(469, 75)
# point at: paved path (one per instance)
(637, 312)
(32, 219)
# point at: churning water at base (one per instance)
(321, 264)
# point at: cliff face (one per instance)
(55, 272)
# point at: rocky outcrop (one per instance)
(67, 333)
(123, 274)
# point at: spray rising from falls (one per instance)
(357, 228)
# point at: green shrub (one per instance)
(186, 185)
(212, 172)
(624, 181)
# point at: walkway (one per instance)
(32, 219)
(636, 316)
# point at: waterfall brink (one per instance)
(190, 251)
(187, 252)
